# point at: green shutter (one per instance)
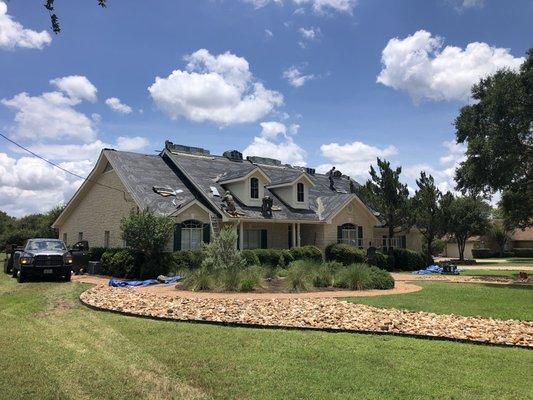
(339, 234)
(404, 242)
(264, 242)
(177, 237)
(360, 232)
(207, 233)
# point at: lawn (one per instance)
(486, 300)
(500, 261)
(506, 273)
(53, 347)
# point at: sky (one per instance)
(310, 82)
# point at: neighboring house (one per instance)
(305, 210)
(518, 239)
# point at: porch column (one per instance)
(299, 238)
(241, 235)
(293, 235)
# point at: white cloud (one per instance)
(76, 87)
(116, 105)
(49, 116)
(461, 5)
(421, 66)
(135, 143)
(13, 34)
(268, 34)
(273, 142)
(296, 77)
(308, 35)
(220, 89)
(317, 6)
(353, 159)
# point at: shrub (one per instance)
(230, 279)
(222, 253)
(273, 257)
(199, 279)
(298, 276)
(383, 261)
(187, 259)
(525, 252)
(250, 257)
(95, 253)
(354, 277)
(409, 260)
(119, 263)
(247, 285)
(322, 276)
(249, 279)
(344, 253)
(307, 253)
(380, 279)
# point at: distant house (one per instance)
(276, 205)
(518, 239)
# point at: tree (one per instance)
(384, 193)
(427, 212)
(146, 232)
(500, 235)
(465, 217)
(49, 5)
(498, 131)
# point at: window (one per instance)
(106, 239)
(300, 192)
(254, 188)
(351, 234)
(65, 238)
(252, 238)
(392, 242)
(191, 235)
(80, 236)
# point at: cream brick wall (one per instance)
(100, 210)
(353, 213)
(277, 234)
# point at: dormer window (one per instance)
(300, 192)
(254, 188)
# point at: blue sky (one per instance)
(296, 80)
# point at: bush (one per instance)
(383, 261)
(119, 263)
(354, 277)
(247, 285)
(187, 259)
(380, 279)
(250, 257)
(199, 279)
(273, 257)
(307, 253)
(345, 254)
(95, 253)
(488, 253)
(323, 276)
(525, 252)
(408, 260)
(298, 276)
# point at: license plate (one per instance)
(48, 271)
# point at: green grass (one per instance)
(486, 300)
(511, 260)
(506, 273)
(52, 347)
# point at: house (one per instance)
(274, 205)
(520, 240)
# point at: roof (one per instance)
(140, 173)
(207, 171)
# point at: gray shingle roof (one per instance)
(206, 171)
(141, 172)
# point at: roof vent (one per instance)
(310, 171)
(263, 160)
(186, 149)
(233, 155)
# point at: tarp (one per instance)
(432, 269)
(160, 279)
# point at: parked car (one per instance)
(42, 258)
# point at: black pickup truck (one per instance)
(39, 258)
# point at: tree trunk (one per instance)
(429, 249)
(391, 235)
(461, 245)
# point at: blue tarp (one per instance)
(432, 269)
(160, 279)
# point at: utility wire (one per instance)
(60, 167)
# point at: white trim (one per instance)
(293, 182)
(243, 178)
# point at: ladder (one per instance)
(215, 223)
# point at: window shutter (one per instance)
(339, 234)
(207, 233)
(404, 242)
(264, 243)
(360, 232)
(177, 237)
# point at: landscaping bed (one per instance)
(328, 314)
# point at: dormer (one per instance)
(295, 192)
(248, 188)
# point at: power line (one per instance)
(60, 167)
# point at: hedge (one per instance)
(488, 253)
(383, 261)
(312, 253)
(186, 259)
(344, 253)
(118, 263)
(273, 257)
(409, 260)
(525, 252)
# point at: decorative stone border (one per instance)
(310, 313)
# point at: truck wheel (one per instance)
(67, 277)
(20, 277)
